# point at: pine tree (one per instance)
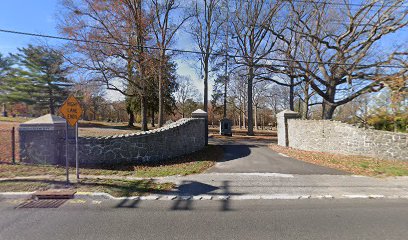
(39, 78)
(5, 65)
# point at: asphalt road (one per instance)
(277, 219)
(255, 156)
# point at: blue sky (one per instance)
(39, 16)
(36, 16)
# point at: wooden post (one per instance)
(13, 145)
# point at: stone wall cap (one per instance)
(199, 113)
(46, 119)
(287, 112)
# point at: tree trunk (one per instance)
(256, 116)
(152, 118)
(250, 112)
(161, 120)
(94, 115)
(4, 111)
(305, 104)
(291, 95)
(327, 107)
(206, 62)
(239, 120)
(305, 108)
(131, 119)
(328, 110)
(143, 113)
(51, 101)
(225, 97)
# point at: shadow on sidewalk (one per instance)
(190, 188)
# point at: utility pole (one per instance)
(226, 75)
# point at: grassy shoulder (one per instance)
(359, 165)
(189, 164)
(116, 188)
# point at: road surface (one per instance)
(272, 219)
(242, 156)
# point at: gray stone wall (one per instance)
(46, 151)
(338, 137)
(178, 138)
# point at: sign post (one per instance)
(66, 152)
(71, 110)
(76, 151)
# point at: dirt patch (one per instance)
(99, 132)
(243, 132)
(271, 139)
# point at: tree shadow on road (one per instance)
(232, 152)
(188, 189)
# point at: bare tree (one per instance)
(186, 92)
(205, 31)
(164, 27)
(253, 42)
(110, 46)
(347, 55)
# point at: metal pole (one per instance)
(76, 151)
(66, 152)
(13, 145)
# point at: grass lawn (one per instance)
(359, 165)
(116, 188)
(189, 164)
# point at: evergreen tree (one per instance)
(39, 78)
(152, 94)
(5, 66)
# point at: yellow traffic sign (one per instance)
(71, 110)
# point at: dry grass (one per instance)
(189, 164)
(117, 188)
(359, 165)
(243, 132)
(242, 137)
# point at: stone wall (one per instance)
(178, 138)
(338, 137)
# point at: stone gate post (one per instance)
(282, 120)
(42, 140)
(202, 114)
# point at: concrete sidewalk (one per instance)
(242, 185)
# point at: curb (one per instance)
(106, 196)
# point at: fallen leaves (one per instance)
(359, 165)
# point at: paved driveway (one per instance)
(243, 156)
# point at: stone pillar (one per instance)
(42, 140)
(202, 114)
(282, 120)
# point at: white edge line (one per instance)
(99, 195)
